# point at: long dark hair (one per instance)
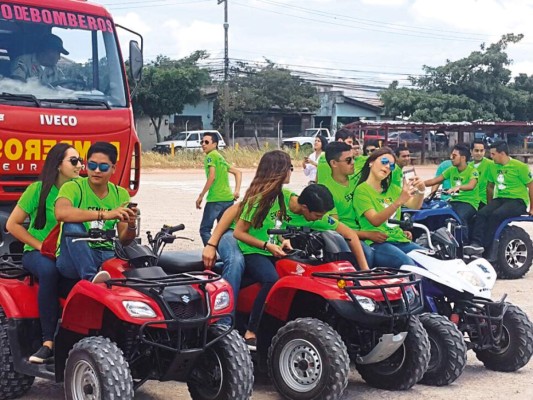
(266, 186)
(48, 178)
(365, 171)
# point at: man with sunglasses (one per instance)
(323, 170)
(464, 179)
(93, 202)
(219, 194)
(341, 184)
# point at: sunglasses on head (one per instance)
(75, 160)
(103, 167)
(386, 161)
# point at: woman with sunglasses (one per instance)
(264, 207)
(62, 164)
(376, 201)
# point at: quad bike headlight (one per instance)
(472, 278)
(366, 303)
(222, 300)
(138, 309)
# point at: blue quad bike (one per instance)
(511, 251)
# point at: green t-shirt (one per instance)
(397, 177)
(327, 223)
(343, 199)
(458, 178)
(483, 170)
(359, 163)
(323, 170)
(271, 221)
(367, 198)
(29, 203)
(443, 166)
(510, 180)
(82, 196)
(220, 189)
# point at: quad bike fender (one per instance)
(11, 293)
(282, 294)
(386, 347)
(85, 305)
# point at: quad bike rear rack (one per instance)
(483, 320)
(410, 304)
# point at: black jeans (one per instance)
(465, 211)
(492, 215)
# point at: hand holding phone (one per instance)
(409, 174)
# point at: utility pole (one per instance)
(226, 70)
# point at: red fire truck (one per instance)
(86, 98)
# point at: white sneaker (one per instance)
(100, 277)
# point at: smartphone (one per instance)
(131, 205)
(409, 173)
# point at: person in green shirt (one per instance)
(323, 170)
(219, 194)
(62, 164)
(376, 201)
(482, 164)
(93, 202)
(509, 194)
(403, 160)
(446, 184)
(464, 178)
(264, 207)
(342, 184)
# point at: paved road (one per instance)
(168, 197)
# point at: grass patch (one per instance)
(241, 158)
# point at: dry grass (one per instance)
(241, 158)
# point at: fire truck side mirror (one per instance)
(136, 61)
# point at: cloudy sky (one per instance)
(365, 41)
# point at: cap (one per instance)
(53, 42)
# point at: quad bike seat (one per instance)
(175, 262)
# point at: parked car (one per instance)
(189, 140)
(405, 139)
(307, 138)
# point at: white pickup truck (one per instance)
(307, 138)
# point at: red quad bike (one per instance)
(145, 323)
(322, 314)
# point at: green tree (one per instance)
(168, 85)
(255, 92)
(475, 87)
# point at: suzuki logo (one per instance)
(299, 269)
(186, 298)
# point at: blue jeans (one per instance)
(76, 259)
(369, 254)
(394, 254)
(47, 274)
(232, 265)
(212, 210)
(261, 268)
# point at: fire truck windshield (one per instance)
(57, 59)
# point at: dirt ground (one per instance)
(168, 196)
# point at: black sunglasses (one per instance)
(74, 160)
(103, 167)
(206, 142)
(347, 160)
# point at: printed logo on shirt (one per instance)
(331, 221)
(349, 197)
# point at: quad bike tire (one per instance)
(12, 383)
(448, 350)
(403, 369)
(96, 367)
(225, 370)
(308, 360)
(515, 253)
(516, 347)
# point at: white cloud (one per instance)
(384, 2)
